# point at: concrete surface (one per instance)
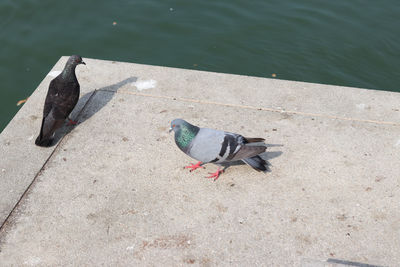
(113, 190)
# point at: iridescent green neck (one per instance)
(69, 71)
(185, 135)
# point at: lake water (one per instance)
(343, 42)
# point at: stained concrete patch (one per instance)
(114, 191)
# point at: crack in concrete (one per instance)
(308, 114)
(25, 193)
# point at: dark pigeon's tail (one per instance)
(45, 142)
(257, 163)
(42, 140)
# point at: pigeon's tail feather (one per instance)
(46, 142)
(254, 140)
(257, 163)
(43, 140)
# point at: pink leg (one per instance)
(71, 122)
(216, 174)
(193, 167)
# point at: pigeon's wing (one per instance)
(60, 101)
(248, 151)
(62, 97)
(216, 146)
(51, 97)
(207, 144)
(253, 140)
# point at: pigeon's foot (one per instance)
(71, 122)
(215, 175)
(193, 167)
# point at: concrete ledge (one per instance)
(113, 190)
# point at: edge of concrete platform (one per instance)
(370, 105)
(242, 75)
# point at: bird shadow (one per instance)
(268, 155)
(88, 105)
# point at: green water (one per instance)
(342, 42)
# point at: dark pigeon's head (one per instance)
(75, 60)
(177, 124)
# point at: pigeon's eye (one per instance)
(173, 126)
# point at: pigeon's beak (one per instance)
(170, 129)
(83, 63)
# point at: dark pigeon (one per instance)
(215, 146)
(61, 99)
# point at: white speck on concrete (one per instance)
(361, 106)
(130, 247)
(3, 170)
(30, 137)
(145, 84)
(32, 261)
(54, 73)
(397, 143)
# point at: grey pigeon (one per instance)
(62, 96)
(215, 146)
